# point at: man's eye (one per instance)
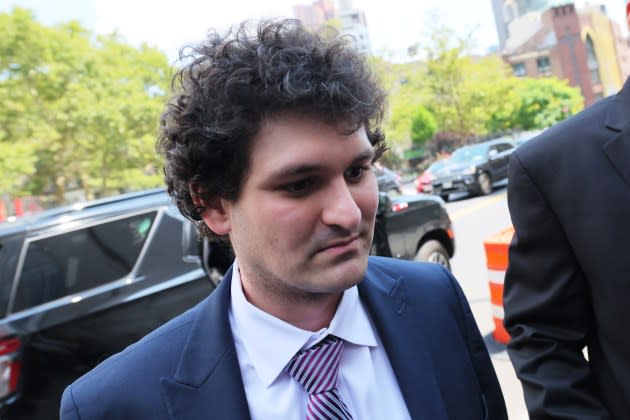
(298, 187)
(356, 173)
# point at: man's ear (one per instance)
(215, 214)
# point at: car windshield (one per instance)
(468, 154)
(436, 165)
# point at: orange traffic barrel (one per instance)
(496, 247)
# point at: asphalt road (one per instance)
(474, 220)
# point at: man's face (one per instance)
(304, 221)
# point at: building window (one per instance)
(519, 69)
(543, 65)
(591, 60)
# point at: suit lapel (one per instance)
(208, 377)
(618, 152)
(407, 349)
(618, 119)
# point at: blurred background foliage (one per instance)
(80, 113)
(457, 97)
(77, 111)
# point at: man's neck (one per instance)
(307, 311)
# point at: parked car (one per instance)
(414, 227)
(424, 180)
(80, 283)
(474, 168)
(388, 180)
(526, 136)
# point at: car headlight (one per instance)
(470, 170)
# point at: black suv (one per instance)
(474, 168)
(413, 227)
(80, 283)
(387, 180)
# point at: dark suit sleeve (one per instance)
(488, 382)
(547, 308)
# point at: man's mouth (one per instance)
(341, 246)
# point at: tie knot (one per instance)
(316, 368)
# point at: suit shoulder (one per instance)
(146, 361)
(417, 277)
(586, 126)
(420, 288)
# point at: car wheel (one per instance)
(485, 183)
(433, 251)
(444, 197)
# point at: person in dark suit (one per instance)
(568, 280)
(269, 143)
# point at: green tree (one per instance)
(404, 85)
(423, 126)
(81, 111)
(536, 103)
(464, 90)
(467, 95)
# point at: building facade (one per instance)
(507, 11)
(316, 13)
(583, 46)
(352, 20)
(354, 23)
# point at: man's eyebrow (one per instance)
(290, 171)
(296, 170)
(367, 154)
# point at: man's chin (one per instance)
(350, 271)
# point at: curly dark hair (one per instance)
(231, 84)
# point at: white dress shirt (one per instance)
(265, 344)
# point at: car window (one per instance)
(71, 262)
(468, 154)
(435, 166)
(502, 147)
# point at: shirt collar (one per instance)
(270, 343)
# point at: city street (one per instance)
(475, 219)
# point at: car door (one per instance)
(499, 160)
(88, 291)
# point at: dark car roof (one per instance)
(485, 144)
(104, 207)
(489, 143)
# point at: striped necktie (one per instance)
(316, 370)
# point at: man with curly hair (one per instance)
(269, 144)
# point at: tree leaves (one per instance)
(423, 126)
(536, 103)
(466, 95)
(76, 111)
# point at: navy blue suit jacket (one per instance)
(188, 368)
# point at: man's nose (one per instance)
(340, 207)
